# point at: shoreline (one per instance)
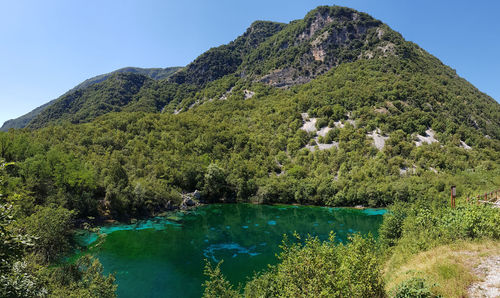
(171, 218)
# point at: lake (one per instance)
(165, 257)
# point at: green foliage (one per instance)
(311, 269)
(19, 281)
(412, 228)
(16, 280)
(209, 120)
(215, 185)
(51, 227)
(83, 105)
(83, 279)
(217, 286)
(316, 269)
(224, 60)
(414, 287)
(392, 226)
(425, 228)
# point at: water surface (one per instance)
(164, 257)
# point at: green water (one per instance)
(165, 257)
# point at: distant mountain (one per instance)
(86, 103)
(153, 73)
(23, 120)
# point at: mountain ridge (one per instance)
(154, 73)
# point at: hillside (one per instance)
(379, 125)
(288, 55)
(153, 73)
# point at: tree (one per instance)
(51, 227)
(15, 279)
(215, 185)
(322, 269)
(217, 286)
(83, 279)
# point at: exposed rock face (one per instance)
(464, 145)
(319, 22)
(378, 139)
(310, 126)
(328, 34)
(248, 94)
(321, 146)
(489, 286)
(427, 139)
(309, 123)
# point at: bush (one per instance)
(217, 286)
(321, 122)
(391, 228)
(414, 287)
(314, 269)
(332, 135)
(51, 228)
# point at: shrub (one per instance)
(315, 269)
(414, 287)
(321, 122)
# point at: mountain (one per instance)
(23, 120)
(334, 109)
(87, 103)
(153, 73)
(288, 55)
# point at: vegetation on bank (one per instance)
(422, 252)
(31, 245)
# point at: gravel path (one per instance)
(489, 271)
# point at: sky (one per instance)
(48, 47)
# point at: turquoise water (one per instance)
(164, 257)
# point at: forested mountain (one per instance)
(153, 73)
(23, 120)
(333, 109)
(288, 55)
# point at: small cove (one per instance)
(164, 257)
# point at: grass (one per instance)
(448, 268)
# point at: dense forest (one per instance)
(335, 109)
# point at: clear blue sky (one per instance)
(47, 47)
